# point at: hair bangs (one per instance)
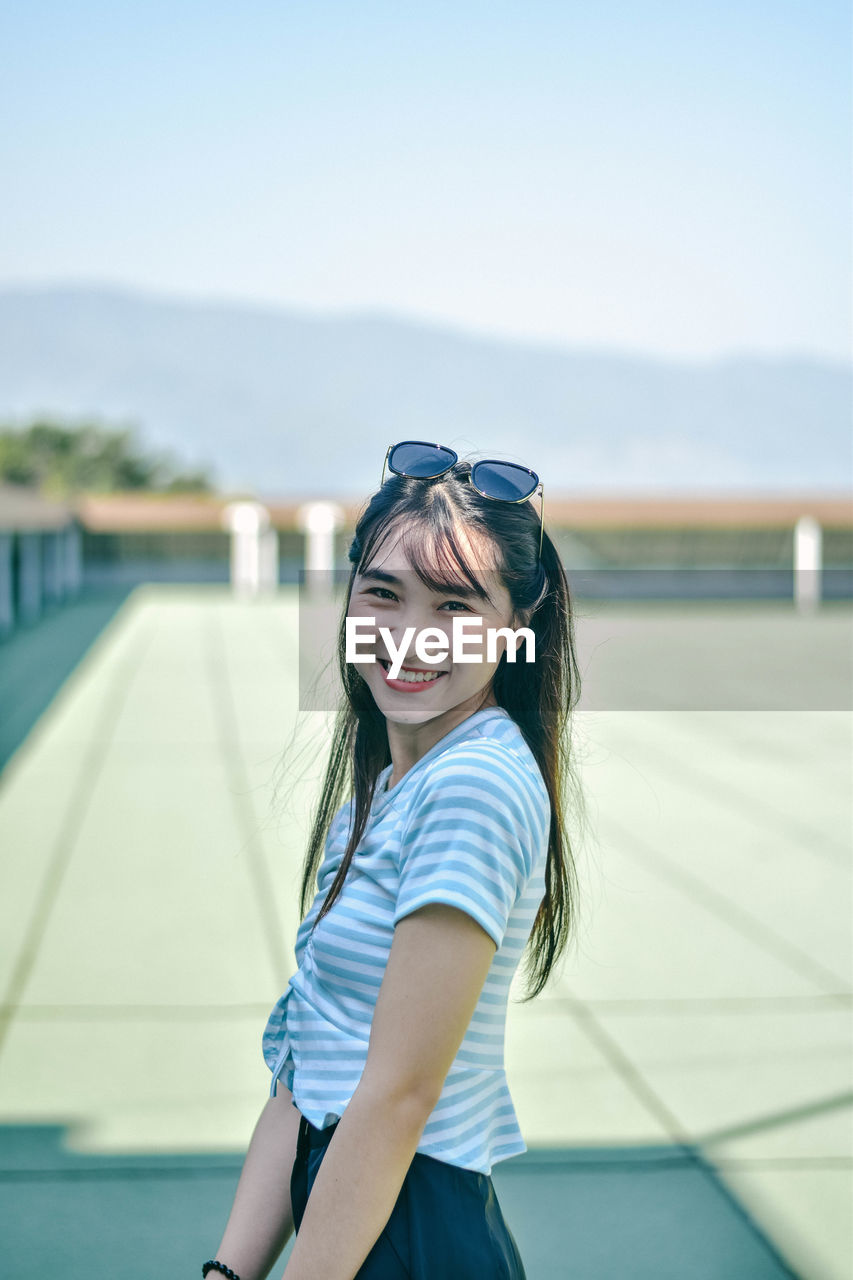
(440, 562)
(435, 555)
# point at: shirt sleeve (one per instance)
(477, 827)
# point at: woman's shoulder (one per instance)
(338, 830)
(486, 790)
(496, 755)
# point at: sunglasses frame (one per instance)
(429, 444)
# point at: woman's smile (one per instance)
(410, 679)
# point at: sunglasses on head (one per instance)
(504, 481)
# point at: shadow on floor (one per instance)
(36, 660)
(634, 1213)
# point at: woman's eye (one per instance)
(384, 594)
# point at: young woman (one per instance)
(389, 1102)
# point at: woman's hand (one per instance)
(261, 1219)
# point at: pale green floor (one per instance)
(149, 910)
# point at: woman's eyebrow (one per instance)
(379, 575)
(448, 588)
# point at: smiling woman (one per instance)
(447, 862)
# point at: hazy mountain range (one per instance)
(289, 402)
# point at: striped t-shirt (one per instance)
(467, 825)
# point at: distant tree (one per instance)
(60, 459)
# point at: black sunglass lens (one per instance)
(503, 480)
(420, 460)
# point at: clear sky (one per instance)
(669, 177)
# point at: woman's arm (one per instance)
(261, 1219)
(438, 962)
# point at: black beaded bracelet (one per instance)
(215, 1265)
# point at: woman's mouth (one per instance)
(409, 679)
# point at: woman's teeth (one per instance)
(413, 677)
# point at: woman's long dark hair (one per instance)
(540, 696)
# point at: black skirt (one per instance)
(445, 1223)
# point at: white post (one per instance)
(808, 542)
(268, 552)
(318, 521)
(251, 561)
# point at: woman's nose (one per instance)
(418, 621)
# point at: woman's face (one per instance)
(408, 602)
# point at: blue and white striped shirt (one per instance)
(467, 825)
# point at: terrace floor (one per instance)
(684, 1084)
